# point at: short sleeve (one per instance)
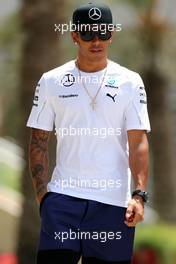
(136, 113)
(42, 114)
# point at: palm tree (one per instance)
(151, 32)
(40, 54)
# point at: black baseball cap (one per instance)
(92, 14)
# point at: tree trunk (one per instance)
(40, 54)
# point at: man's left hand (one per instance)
(135, 211)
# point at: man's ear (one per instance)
(75, 37)
(112, 35)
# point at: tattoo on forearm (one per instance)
(40, 188)
(38, 169)
(38, 159)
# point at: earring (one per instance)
(76, 43)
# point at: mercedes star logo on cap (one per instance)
(95, 13)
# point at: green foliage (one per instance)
(9, 30)
(10, 50)
(161, 237)
(9, 177)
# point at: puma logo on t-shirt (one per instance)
(112, 97)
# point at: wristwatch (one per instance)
(142, 194)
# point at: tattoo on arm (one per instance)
(38, 160)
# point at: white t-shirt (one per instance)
(92, 147)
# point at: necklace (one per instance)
(93, 99)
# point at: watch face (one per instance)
(142, 194)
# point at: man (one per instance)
(100, 115)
